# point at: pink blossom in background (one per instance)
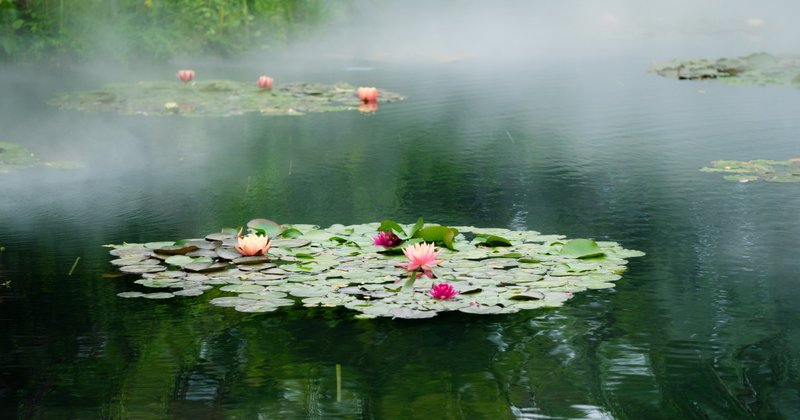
(265, 83)
(186, 76)
(368, 94)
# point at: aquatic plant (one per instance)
(386, 240)
(185, 76)
(265, 83)
(757, 170)
(253, 244)
(753, 69)
(367, 94)
(443, 291)
(422, 257)
(216, 98)
(497, 270)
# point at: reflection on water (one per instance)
(700, 327)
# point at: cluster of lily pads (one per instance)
(217, 98)
(14, 157)
(753, 69)
(758, 170)
(490, 270)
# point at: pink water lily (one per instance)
(186, 76)
(421, 256)
(386, 240)
(265, 83)
(368, 94)
(253, 244)
(442, 291)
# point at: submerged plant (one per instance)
(253, 244)
(265, 83)
(442, 291)
(386, 240)
(368, 94)
(186, 76)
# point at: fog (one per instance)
(536, 31)
(413, 41)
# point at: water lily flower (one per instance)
(265, 83)
(421, 256)
(186, 76)
(386, 240)
(253, 244)
(442, 291)
(368, 94)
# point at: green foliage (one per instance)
(151, 29)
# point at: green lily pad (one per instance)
(242, 288)
(204, 267)
(533, 271)
(175, 249)
(581, 248)
(754, 69)
(160, 295)
(785, 171)
(139, 269)
(216, 98)
(179, 260)
(130, 294)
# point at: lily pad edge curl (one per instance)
(339, 266)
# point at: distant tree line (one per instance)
(126, 30)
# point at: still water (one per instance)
(704, 326)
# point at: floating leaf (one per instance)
(268, 227)
(491, 240)
(160, 295)
(175, 249)
(528, 295)
(139, 269)
(581, 248)
(390, 225)
(204, 267)
(242, 288)
(179, 260)
(535, 271)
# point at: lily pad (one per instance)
(139, 269)
(159, 295)
(204, 267)
(754, 69)
(216, 98)
(14, 157)
(581, 248)
(530, 271)
(787, 171)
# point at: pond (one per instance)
(702, 326)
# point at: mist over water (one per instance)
(525, 115)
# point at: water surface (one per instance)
(704, 326)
